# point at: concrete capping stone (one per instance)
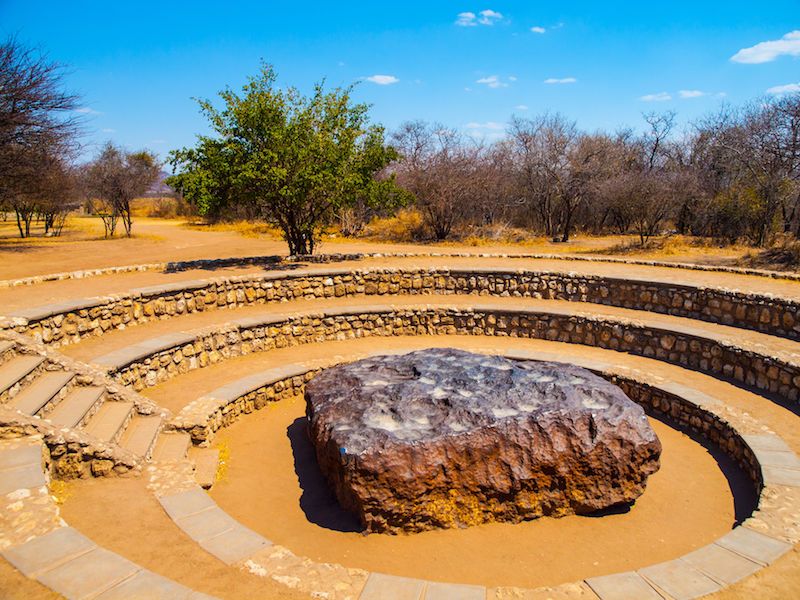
(622, 586)
(766, 442)
(780, 476)
(89, 574)
(756, 546)
(679, 580)
(235, 545)
(454, 591)
(383, 587)
(48, 551)
(145, 584)
(207, 523)
(722, 565)
(184, 504)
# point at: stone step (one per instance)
(206, 464)
(172, 446)
(41, 391)
(73, 409)
(16, 369)
(109, 421)
(140, 435)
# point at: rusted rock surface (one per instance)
(446, 438)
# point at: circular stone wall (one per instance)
(446, 438)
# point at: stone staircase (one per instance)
(44, 391)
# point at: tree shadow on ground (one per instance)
(317, 502)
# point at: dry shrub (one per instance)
(405, 226)
(161, 208)
(782, 255)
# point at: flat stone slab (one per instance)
(721, 564)
(207, 524)
(25, 477)
(89, 574)
(186, 503)
(780, 476)
(454, 591)
(756, 546)
(48, 551)
(146, 584)
(21, 456)
(766, 442)
(680, 580)
(623, 586)
(385, 587)
(235, 545)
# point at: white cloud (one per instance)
(466, 19)
(538, 29)
(485, 17)
(492, 81)
(789, 88)
(788, 45)
(489, 17)
(493, 125)
(521, 107)
(555, 80)
(512, 78)
(108, 130)
(382, 79)
(692, 94)
(85, 110)
(659, 97)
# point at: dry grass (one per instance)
(248, 229)
(405, 226)
(673, 246)
(60, 491)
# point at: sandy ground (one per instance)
(272, 471)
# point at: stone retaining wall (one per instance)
(64, 324)
(743, 367)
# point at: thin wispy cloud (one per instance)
(538, 29)
(85, 110)
(492, 81)
(484, 17)
(108, 130)
(521, 107)
(788, 45)
(512, 78)
(560, 81)
(382, 79)
(691, 94)
(492, 125)
(659, 97)
(789, 88)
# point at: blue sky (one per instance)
(467, 64)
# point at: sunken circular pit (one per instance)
(441, 438)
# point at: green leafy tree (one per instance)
(295, 161)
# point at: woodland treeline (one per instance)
(733, 176)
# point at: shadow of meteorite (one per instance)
(318, 501)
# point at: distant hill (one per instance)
(159, 188)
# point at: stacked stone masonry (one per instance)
(212, 345)
(67, 323)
